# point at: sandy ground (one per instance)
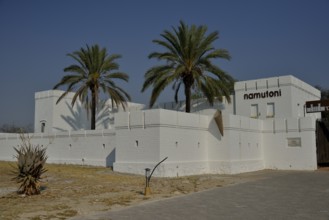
(81, 190)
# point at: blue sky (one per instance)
(265, 38)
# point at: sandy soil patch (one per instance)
(82, 190)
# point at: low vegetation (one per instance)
(71, 190)
(29, 167)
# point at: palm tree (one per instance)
(188, 54)
(96, 70)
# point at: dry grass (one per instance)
(80, 190)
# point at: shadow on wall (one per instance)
(197, 105)
(78, 119)
(104, 119)
(213, 129)
(110, 159)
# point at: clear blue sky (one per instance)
(265, 38)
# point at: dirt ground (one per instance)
(69, 190)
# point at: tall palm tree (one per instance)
(188, 52)
(96, 70)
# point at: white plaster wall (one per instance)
(240, 149)
(277, 153)
(183, 134)
(43, 111)
(61, 116)
(183, 141)
(301, 93)
(198, 105)
(137, 138)
(64, 117)
(137, 141)
(294, 94)
(161, 133)
(192, 143)
(76, 147)
(247, 144)
(7, 144)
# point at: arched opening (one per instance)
(43, 126)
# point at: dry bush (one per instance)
(30, 166)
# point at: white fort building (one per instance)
(264, 127)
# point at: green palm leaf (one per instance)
(188, 54)
(95, 70)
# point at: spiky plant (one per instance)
(30, 166)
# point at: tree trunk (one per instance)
(188, 99)
(93, 109)
(188, 82)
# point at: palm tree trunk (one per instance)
(188, 82)
(93, 109)
(188, 99)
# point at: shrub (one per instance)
(30, 166)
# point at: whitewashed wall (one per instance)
(294, 94)
(63, 117)
(58, 117)
(198, 105)
(240, 149)
(161, 133)
(192, 142)
(277, 152)
(194, 145)
(76, 147)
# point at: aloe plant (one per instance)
(30, 166)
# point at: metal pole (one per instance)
(148, 178)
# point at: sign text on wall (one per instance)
(317, 106)
(294, 142)
(262, 95)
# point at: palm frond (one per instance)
(188, 51)
(93, 71)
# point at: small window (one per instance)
(254, 111)
(43, 126)
(270, 111)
